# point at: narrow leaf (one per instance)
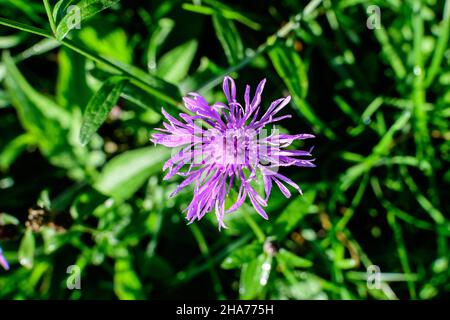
(254, 277)
(127, 285)
(291, 260)
(290, 68)
(157, 38)
(26, 250)
(174, 65)
(229, 38)
(83, 10)
(242, 255)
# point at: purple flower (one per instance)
(3, 261)
(235, 148)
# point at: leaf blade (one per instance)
(85, 9)
(100, 105)
(229, 38)
(126, 173)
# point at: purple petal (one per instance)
(257, 98)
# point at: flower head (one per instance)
(3, 261)
(235, 148)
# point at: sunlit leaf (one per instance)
(159, 35)
(81, 11)
(26, 250)
(174, 65)
(254, 277)
(291, 260)
(291, 69)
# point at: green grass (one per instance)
(377, 101)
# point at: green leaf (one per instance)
(126, 173)
(174, 65)
(82, 10)
(11, 41)
(47, 122)
(291, 216)
(25, 27)
(72, 74)
(52, 239)
(346, 264)
(155, 86)
(254, 277)
(6, 219)
(107, 40)
(26, 250)
(242, 255)
(60, 9)
(229, 38)
(127, 285)
(143, 99)
(99, 107)
(291, 69)
(136, 95)
(35, 102)
(291, 260)
(226, 11)
(14, 148)
(442, 45)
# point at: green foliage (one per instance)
(81, 184)
(229, 38)
(100, 105)
(123, 175)
(85, 9)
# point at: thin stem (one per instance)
(25, 27)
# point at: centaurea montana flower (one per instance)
(3, 261)
(233, 150)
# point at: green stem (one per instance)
(254, 226)
(441, 46)
(205, 252)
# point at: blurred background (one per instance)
(94, 221)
